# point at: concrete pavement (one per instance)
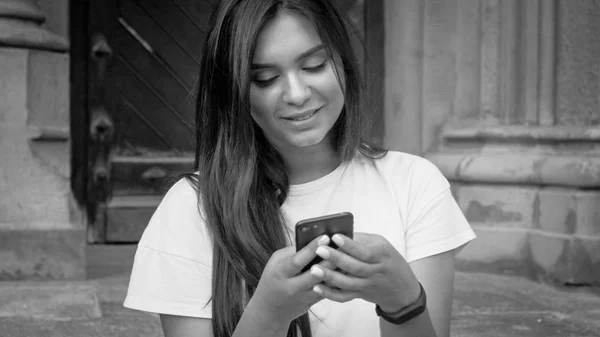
(484, 305)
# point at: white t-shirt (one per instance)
(402, 197)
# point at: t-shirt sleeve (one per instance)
(434, 221)
(172, 270)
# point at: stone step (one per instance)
(49, 301)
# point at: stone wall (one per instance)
(42, 233)
(506, 95)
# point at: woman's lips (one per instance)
(302, 116)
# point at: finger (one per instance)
(339, 280)
(346, 262)
(305, 281)
(341, 296)
(354, 249)
(327, 265)
(306, 254)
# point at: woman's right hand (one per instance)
(283, 292)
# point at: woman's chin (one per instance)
(309, 142)
(301, 144)
(312, 139)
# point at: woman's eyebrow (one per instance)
(319, 47)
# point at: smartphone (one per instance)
(309, 229)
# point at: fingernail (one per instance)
(317, 271)
(322, 252)
(318, 290)
(323, 241)
(338, 240)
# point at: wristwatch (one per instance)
(408, 312)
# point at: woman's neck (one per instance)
(310, 163)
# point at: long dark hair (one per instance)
(242, 181)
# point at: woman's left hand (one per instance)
(369, 268)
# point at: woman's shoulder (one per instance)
(177, 226)
(183, 188)
(398, 163)
(404, 171)
(181, 199)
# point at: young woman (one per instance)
(279, 140)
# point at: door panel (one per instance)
(127, 217)
(130, 115)
(177, 24)
(145, 99)
(165, 46)
(140, 175)
(144, 89)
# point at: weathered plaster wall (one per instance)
(578, 69)
(35, 182)
(57, 16)
(503, 96)
(42, 233)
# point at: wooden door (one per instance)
(141, 73)
(143, 67)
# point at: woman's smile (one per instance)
(302, 121)
(302, 116)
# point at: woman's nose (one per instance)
(297, 92)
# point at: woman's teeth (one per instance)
(303, 118)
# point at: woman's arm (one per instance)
(252, 323)
(256, 322)
(180, 326)
(376, 272)
(436, 275)
(283, 293)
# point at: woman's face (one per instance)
(295, 97)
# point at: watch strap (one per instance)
(408, 312)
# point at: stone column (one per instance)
(505, 97)
(42, 233)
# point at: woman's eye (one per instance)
(264, 82)
(315, 68)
